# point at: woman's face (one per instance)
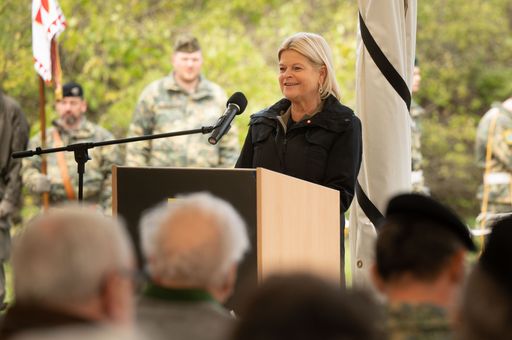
(299, 79)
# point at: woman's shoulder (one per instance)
(337, 117)
(332, 104)
(271, 112)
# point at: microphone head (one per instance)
(238, 98)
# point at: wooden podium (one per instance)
(293, 225)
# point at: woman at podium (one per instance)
(308, 134)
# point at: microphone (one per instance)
(236, 105)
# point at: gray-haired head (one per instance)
(315, 48)
(195, 239)
(64, 256)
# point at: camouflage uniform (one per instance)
(417, 179)
(498, 180)
(13, 137)
(97, 187)
(165, 107)
(421, 322)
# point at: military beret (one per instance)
(495, 259)
(72, 89)
(424, 207)
(186, 43)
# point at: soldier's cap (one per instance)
(72, 89)
(186, 43)
(495, 259)
(426, 208)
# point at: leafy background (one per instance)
(115, 48)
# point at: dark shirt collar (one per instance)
(174, 294)
(30, 317)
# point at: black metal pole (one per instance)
(82, 155)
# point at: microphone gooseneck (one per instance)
(236, 105)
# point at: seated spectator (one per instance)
(192, 247)
(486, 309)
(304, 307)
(420, 266)
(72, 267)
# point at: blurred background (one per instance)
(115, 48)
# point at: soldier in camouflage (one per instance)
(13, 137)
(493, 151)
(183, 100)
(417, 179)
(420, 253)
(62, 178)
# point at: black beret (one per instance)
(425, 207)
(495, 259)
(72, 89)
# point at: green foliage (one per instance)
(450, 169)
(115, 48)
(464, 49)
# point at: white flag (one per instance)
(385, 55)
(47, 23)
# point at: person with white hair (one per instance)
(192, 247)
(72, 267)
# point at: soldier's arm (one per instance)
(138, 153)
(110, 156)
(502, 145)
(31, 167)
(19, 143)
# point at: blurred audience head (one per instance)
(74, 260)
(194, 241)
(303, 307)
(421, 245)
(486, 308)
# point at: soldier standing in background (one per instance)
(72, 127)
(13, 137)
(183, 100)
(417, 179)
(494, 155)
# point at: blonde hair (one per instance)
(315, 48)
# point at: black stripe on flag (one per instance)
(400, 86)
(385, 67)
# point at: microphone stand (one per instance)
(82, 155)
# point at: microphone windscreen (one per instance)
(238, 98)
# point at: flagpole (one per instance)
(42, 121)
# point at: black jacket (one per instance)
(325, 149)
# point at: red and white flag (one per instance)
(47, 23)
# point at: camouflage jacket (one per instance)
(498, 179)
(97, 187)
(13, 137)
(418, 181)
(165, 107)
(417, 322)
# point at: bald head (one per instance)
(193, 241)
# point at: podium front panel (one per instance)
(138, 189)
